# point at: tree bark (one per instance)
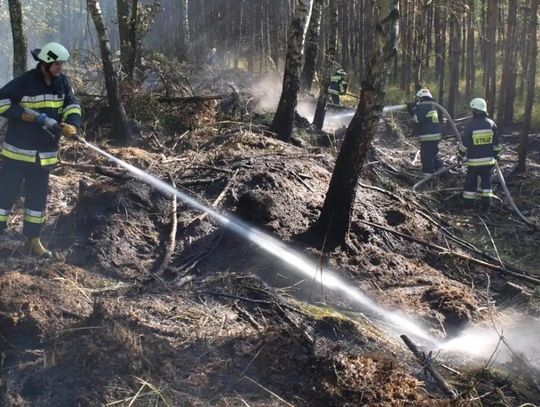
(120, 128)
(185, 25)
(336, 213)
(531, 80)
(455, 52)
(312, 45)
(320, 110)
(284, 118)
(470, 70)
(491, 50)
(19, 38)
(505, 111)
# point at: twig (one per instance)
(443, 250)
(269, 391)
(172, 236)
(421, 357)
(451, 369)
(217, 200)
(492, 241)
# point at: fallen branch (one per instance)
(218, 199)
(431, 176)
(426, 363)
(188, 99)
(172, 237)
(444, 250)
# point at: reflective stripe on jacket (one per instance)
(426, 122)
(338, 85)
(480, 143)
(28, 141)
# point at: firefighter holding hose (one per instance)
(41, 107)
(480, 145)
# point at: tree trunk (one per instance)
(491, 51)
(120, 128)
(185, 25)
(455, 51)
(312, 43)
(284, 118)
(19, 39)
(531, 79)
(471, 72)
(338, 205)
(122, 16)
(440, 49)
(505, 111)
(320, 110)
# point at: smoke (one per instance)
(267, 90)
(512, 335)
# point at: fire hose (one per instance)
(387, 109)
(401, 108)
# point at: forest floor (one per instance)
(228, 324)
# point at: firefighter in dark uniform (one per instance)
(31, 144)
(427, 129)
(338, 86)
(480, 145)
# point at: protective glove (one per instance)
(68, 130)
(46, 121)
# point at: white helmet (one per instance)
(53, 52)
(424, 93)
(341, 72)
(479, 104)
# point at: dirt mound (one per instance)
(229, 324)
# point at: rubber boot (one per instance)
(37, 248)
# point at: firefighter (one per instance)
(480, 145)
(427, 128)
(31, 144)
(338, 86)
(212, 58)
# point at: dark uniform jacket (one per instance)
(338, 85)
(426, 122)
(26, 141)
(480, 142)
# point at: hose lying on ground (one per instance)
(509, 197)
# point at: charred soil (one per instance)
(228, 324)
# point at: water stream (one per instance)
(474, 341)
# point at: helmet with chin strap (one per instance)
(51, 52)
(479, 104)
(424, 93)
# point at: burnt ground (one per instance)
(228, 325)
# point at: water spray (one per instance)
(399, 322)
(276, 248)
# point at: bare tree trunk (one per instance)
(491, 50)
(185, 25)
(127, 16)
(120, 128)
(312, 44)
(338, 205)
(19, 39)
(455, 52)
(505, 109)
(531, 79)
(122, 16)
(320, 111)
(471, 72)
(440, 47)
(284, 118)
